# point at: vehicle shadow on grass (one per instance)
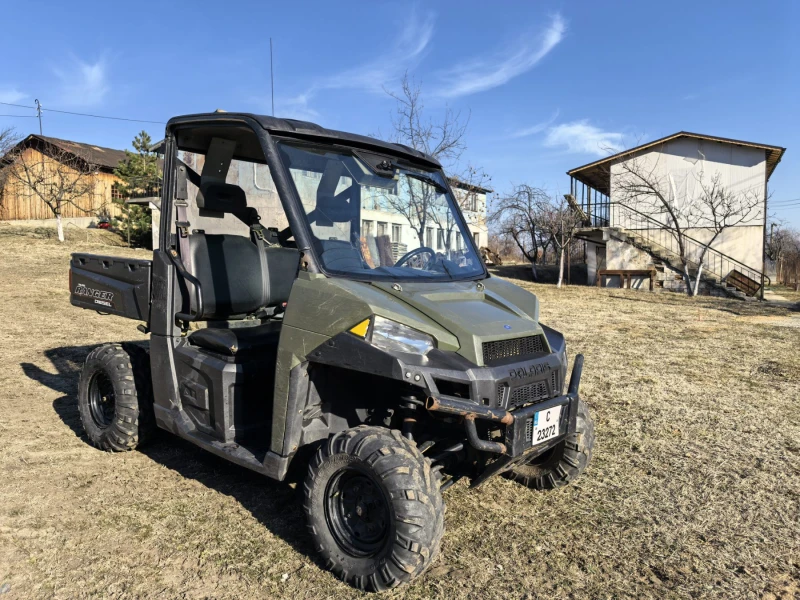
(276, 505)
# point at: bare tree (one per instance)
(719, 208)
(783, 247)
(535, 220)
(468, 189)
(55, 176)
(445, 141)
(8, 138)
(640, 186)
(559, 223)
(517, 215)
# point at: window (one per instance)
(458, 241)
(440, 238)
(116, 192)
(396, 232)
(381, 229)
(470, 201)
(477, 237)
(366, 228)
(429, 237)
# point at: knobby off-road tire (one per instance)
(374, 508)
(564, 463)
(115, 397)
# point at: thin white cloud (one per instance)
(405, 52)
(483, 74)
(580, 137)
(83, 84)
(375, 75)
(296, 107)
(538, 128)
(11, 95)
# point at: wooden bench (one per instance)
(625, 276)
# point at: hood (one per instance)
(474, 312)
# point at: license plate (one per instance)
(545, 425)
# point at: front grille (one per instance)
(501, 394)
(533, 392)
(529, 430)
(516, 347)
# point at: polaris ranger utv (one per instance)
(385, 356)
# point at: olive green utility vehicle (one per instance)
(318, 296)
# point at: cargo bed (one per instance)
(111, 284)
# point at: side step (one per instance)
(270, 464)
(273, 465)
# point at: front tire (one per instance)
(562, 464)
(115, 398)
(374, 508)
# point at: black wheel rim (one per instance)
(357, 512)
(102, 401)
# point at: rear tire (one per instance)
(115, 397)
(374, 508)
(562, 464)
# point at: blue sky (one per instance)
(547, 85)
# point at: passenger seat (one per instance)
(236, 283)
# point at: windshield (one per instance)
(380, 222)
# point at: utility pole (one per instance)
(39, 114)
(271, 78)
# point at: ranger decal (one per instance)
(99, 296)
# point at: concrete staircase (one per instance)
(670, 259)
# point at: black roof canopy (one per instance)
(304, 130)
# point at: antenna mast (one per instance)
(271, 78)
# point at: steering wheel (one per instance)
(416, 252)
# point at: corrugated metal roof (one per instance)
(596, 174)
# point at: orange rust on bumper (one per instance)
(462, 408)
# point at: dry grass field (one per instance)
(693, 491)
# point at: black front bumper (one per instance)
(504, 396)
(517, 422)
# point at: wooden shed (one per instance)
(18, 202)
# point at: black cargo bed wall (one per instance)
(111, 284)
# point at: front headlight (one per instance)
(392, 336)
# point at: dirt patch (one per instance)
(693, 491)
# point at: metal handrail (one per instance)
(716, 266)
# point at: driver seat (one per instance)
(340, 255)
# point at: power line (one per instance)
(17, 105)
(20, 116)
(67, 112)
